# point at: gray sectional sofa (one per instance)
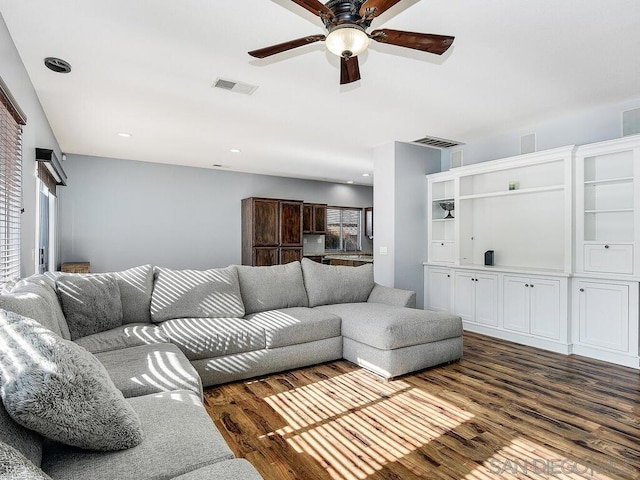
(161, 335)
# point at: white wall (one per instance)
(37, 133)
(118, 213)
(589, 126)
(400, 216)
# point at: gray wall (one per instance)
(578, 128)
(118, 213)
(37, 133)
(400, 194)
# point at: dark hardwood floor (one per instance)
(503, 411)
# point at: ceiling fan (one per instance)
(347, 22)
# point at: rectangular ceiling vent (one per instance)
(236, 87)
(437, 142)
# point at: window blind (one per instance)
(344, 228)
(11, 121)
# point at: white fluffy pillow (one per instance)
(60, 390)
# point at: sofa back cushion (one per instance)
(37, 301)
(26, 441)
(328, 284)
(14, 464)
(136, 287)
(91, 303)
(271, 288)
(60, 390)
(211, 293)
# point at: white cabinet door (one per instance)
(486, 298)
(438, 294)
(544, 297)
(604, 315)
(608, 258)
(464, 295)
(443, 252)
(516, 303)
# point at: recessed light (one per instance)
(235, 150)
(57, 65)
(124, 134)
(350, 182)
(365, 175)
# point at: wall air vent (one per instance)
(437, 142)
(236, 87)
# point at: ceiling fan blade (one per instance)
(283, 47)
(349, 70)
(315, 7)
(380, 6)
(427, 42)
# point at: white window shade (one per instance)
(11, 121)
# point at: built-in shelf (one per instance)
(609, 181)
(521, 191)
(443, 219)
(611, 210)
(438, 200)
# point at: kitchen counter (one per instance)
(358, 257)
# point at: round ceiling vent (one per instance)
(57, 65)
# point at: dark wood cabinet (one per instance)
(315, 258)
(271, 231)
(315, 218)
(288, 255)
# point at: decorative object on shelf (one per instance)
(447, 207)
(513, 185)
(488, 257)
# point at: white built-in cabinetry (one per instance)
(564, 225)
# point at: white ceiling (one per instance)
(147, 66)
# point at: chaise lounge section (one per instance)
(162, 334)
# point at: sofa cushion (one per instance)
(196, 294)
(29, 302)
(124, 336)
(273, 287)
(136, 287)
(14, 465)
(212, 337)
(386, 327)
(328, 284)
(236, 469)
(147, 369)
(27, 442)
(91, 303)
(60, 390)
(290, 326)
(179, 438)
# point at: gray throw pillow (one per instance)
(271, 288)
(58, 389)
(15, 466)
(211, 293)
(91, 303)
(328, 284)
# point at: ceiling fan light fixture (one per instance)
(347, 40)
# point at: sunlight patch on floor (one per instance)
(353, 424)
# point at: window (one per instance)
(11, 121)
(344, 229)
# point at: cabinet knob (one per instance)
(443, 245)
(526, 284)
(532, 285)
(448, 276)
(582, 289)
(606, 246)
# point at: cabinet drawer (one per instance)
(442, 251)
(608, 258)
